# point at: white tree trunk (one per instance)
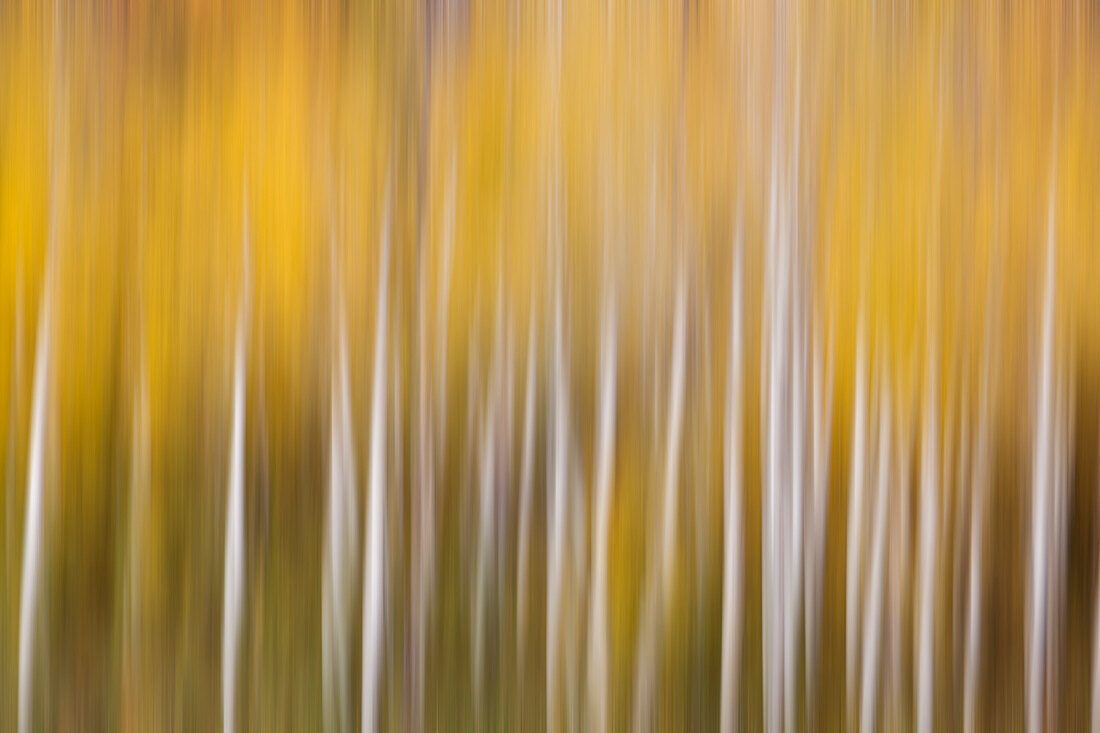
(777, 468)
(929, 526)
(487, 494)
(342, 537)
(557, 479)
(979, 490)
(873, 605)
(1042, 477)
(856, 488)
(732, 592)
(527, 470)
(659, 587)
(819, 509)
(234, 517)
(605, 461)
(33, 528)
(374, 560)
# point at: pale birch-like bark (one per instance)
(234, 516)
(342, 536)
(487, 492)
(557, 510)
(874, 601)
(374, 552)
(557, 435)
(733, 573)
(929, 525)
(1042, 476)
(774, 374)
(605, 460)
(527, 470)
(659, 586)
(33, 528)
(822, 390)
(856, 489)
(981, 477)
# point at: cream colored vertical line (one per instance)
(822, 389)
(1041, 479)
(773, 372)
(658, 588)
(981, 477)
(557, 478)
(872, 629)
(733, 572)
(856, 489)
(527, 470)
(557, 509)
(374, 552)
(487, 494)
(605, 460)
(928, 517)
(34, 530)
(234, 523)
(341, 525)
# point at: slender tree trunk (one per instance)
(374, 561)
(873, 605)
(979, 489)
(929, 524)
(234, 516)
(488, 482)
(527, 470)
(342, 534)
(605, 461)
(819, 509)
(732, 594)
(856, 489)
(1042, 476)
(33, 528)
(660, 583)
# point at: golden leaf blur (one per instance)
(549, 365)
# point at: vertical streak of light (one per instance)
(557, 473)
(597, 627)
(659, 583)
(33, 527)
(874, 601)
(424, 477)
(979, 489)
(527, 470)
(1042, 474)
(373, 567)
(732, 601)
(774, 531)
(488, 482)
(856, 485)
(32, 543)
(234, 520)
(929, 521)
(675, 430)
(342, 539)
(796, 284)
(557, 510)
(815, 560)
